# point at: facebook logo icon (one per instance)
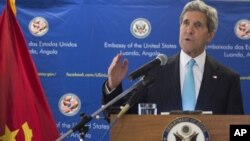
(239, 132)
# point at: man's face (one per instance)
(194, 33)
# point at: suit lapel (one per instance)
(176, 80)
(208, 84)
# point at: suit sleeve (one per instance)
(235, 104)
(115, 108)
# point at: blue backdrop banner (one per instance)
(73, 42)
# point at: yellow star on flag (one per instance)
(9, 136)
(27, 132)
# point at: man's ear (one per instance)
(210, 36)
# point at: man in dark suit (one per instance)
(216, 87)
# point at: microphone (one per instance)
(161, 59)
(136, 95)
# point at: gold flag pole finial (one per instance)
(13, 6)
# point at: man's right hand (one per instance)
(117, 71)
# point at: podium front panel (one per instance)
(151, 127)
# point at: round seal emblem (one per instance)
(185, 129)
(140, 28)
(69, 104)
(38, 26)
(242, 29)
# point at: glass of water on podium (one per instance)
(147, 109)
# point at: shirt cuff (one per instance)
(106, 89)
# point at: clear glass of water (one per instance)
(147, 109)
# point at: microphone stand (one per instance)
(85, 119)
(84, 129)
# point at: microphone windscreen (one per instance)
(163, 58)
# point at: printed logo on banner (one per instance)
(242, 29)
(38, 26)
(185, 129)
(69, 104)
(140, 28)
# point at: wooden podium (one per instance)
(151, 127)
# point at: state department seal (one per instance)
(185, 129)
(140, 28)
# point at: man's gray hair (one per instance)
(210, 12)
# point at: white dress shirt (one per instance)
(198, 69)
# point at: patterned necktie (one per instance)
(188, 92)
